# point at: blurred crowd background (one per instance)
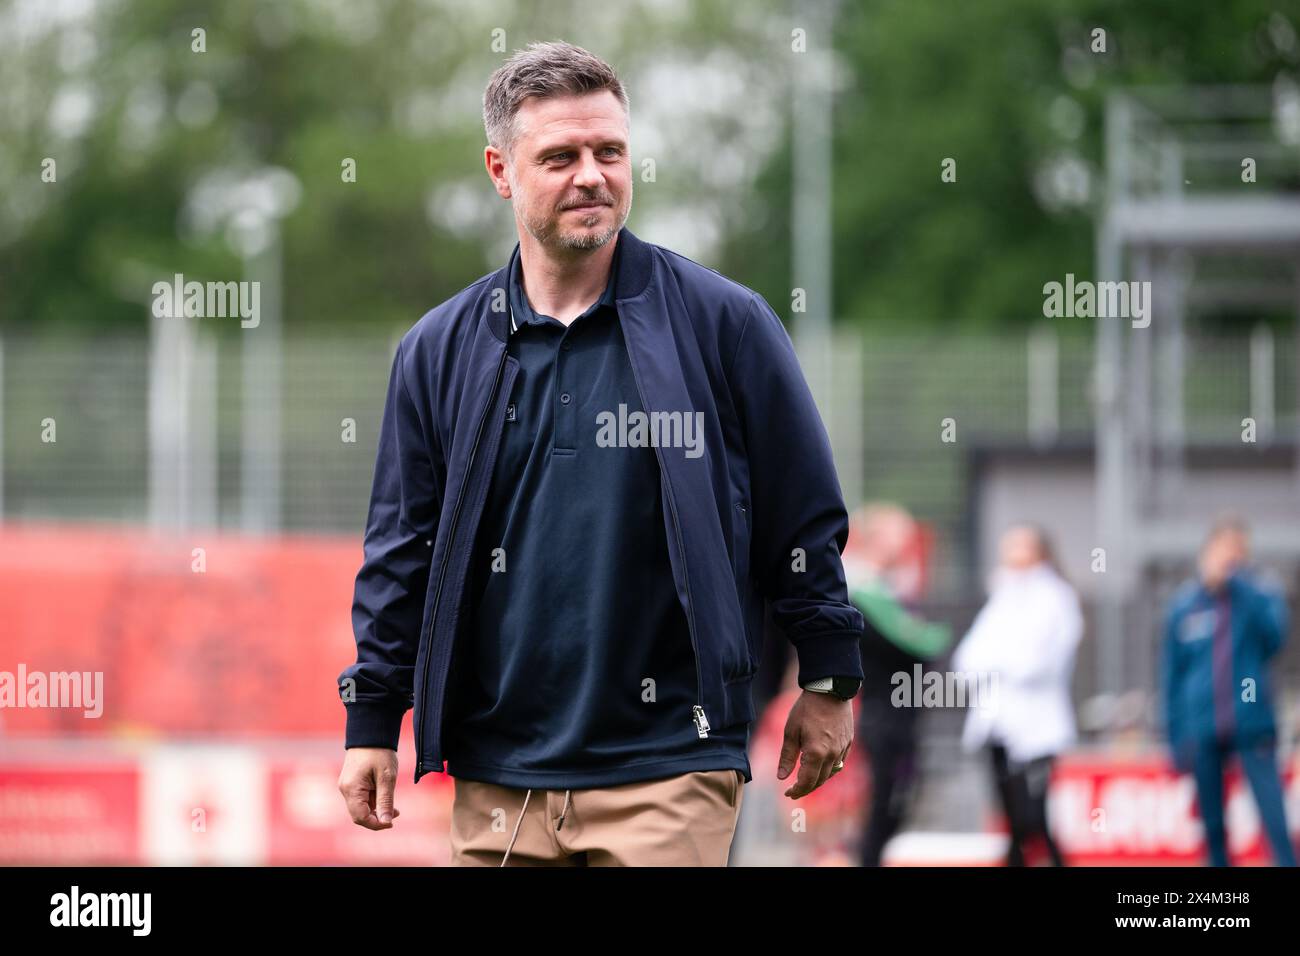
(182, 499)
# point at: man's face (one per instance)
(570, 173)
(1223, 554)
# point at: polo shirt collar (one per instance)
(521, 312)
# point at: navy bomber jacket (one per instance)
(757, 518)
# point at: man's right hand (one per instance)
(367, 782)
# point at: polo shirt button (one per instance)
(566, 346)
(564, 398)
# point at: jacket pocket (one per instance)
(744, 664)
(740, 539)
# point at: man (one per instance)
(595, 466)
(1220, 632)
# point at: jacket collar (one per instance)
(635, 266)
(521, 311)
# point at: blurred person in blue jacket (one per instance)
(1221, 629)
(1022, 647)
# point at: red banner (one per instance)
(206, 634)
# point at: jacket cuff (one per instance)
(836, 654)
(372, 724)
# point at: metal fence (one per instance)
(124, 429)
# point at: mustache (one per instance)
(588, 201)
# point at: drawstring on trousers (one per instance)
(563, 810)
(511, 844)
(558, 823)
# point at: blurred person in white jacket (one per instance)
(1022, 646)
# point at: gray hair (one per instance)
(555, 68)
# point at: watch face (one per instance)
(846, 687)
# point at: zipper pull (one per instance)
(701, 722)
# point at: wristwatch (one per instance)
(845, 688)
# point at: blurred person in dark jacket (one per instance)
(1221, 630)
(895, 642)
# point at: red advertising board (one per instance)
(1111, 811)
(279, 804)
(206, 634)
(55, 815)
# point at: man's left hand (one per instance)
(820, 726)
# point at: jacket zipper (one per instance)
(697, 712)
(701, 721)
(451, 541)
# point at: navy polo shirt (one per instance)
(576, 669)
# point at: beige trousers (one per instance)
(686, 820)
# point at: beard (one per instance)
(550, 232)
